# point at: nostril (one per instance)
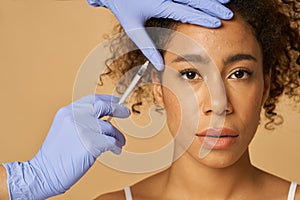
(220, 112)
(219, 109)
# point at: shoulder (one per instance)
(297, 195)
(144, 189)
(277, 187)
(120, 195)
(148, 188)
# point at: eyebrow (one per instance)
(239, 57)
(200, 59)
(192, 58)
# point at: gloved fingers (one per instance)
(116, 149)
(188, 15)
(92, 98)
(102, 108)
(95, 3)
(154, 57)
(140, 37)
(109, 130)
(113, 135)
(211, 7)
(101, 138)
(223, 1)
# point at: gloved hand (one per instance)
(76, 138)
(132, 14)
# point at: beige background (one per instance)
(42, 45)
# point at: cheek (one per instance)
(247, 105)
(173, 110)
(182, 112)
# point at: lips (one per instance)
(217, 133)
(218, 139)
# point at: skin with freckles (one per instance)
(240, 66)
(226, 172)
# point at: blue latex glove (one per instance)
(76, 138)
(132, 14)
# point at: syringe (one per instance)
(132, 84)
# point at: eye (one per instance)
(190, 74)
(240, 74)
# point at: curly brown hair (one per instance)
(276, 25)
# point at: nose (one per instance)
(213, 98)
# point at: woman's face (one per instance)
(229, 86)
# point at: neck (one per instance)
(195, 179)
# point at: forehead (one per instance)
(234, 37)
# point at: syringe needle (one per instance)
(132, 84)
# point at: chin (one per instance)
(218, 159)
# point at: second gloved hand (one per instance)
(76, 138)
(132, 15)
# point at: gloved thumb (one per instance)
(141, 38)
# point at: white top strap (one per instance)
(291, 195)
(128, 195)
(292, 191)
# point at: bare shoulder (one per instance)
(278, 187)
(120, 195)
(147, 188)
(297, 195)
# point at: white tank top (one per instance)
(128, 193)
(291, 195)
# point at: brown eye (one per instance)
(240, 74)
(190, 75)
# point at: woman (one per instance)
(257, 57)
